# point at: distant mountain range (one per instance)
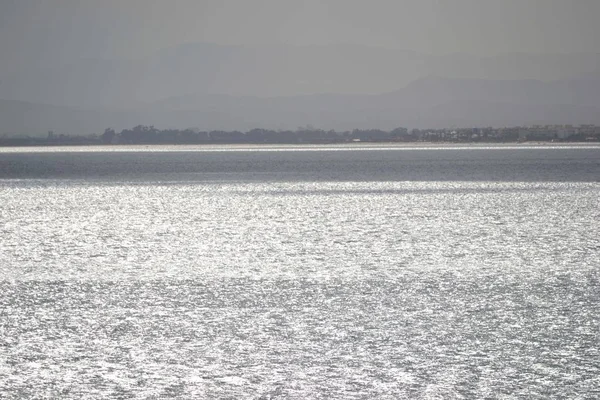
(429, 102)
(273, 86)
(269, 71)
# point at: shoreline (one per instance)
(294, 147)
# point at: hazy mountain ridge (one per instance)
(429, 102)
(243, 87)
(269, 71)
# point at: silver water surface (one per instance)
(301, 288)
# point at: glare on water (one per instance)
(300, 288)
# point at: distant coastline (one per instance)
(149, 135)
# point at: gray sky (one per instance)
(49, 51)
(36, 30)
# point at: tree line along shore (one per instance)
(142, 134)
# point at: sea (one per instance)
(300, 272)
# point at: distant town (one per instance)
(150, 135)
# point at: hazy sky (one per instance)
(62, 29)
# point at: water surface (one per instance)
(300, 273)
